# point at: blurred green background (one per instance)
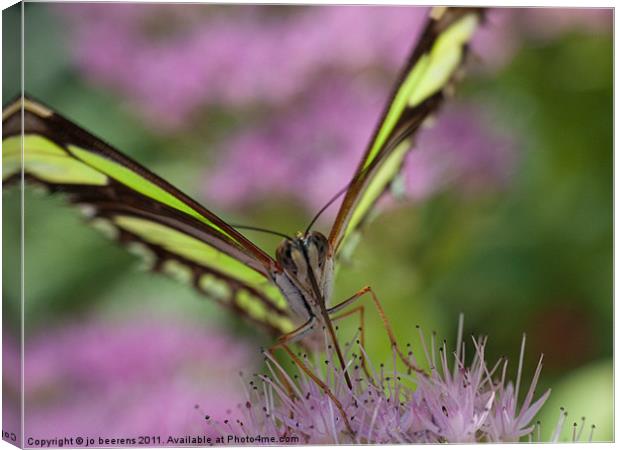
(534, 257)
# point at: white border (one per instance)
(567, 3)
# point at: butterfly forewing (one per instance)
(423, 84)
(182, 238)
(142, 211)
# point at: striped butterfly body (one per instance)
(184, 239)
(306, 278)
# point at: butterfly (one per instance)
(289, 294)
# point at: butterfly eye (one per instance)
(319, 242)
(285, 258)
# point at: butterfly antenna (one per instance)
(327, 205)
(335, 197)
(262, 230)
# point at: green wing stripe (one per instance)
(47, 161)
(425, 80)
(443, 59)
(190, 248)
(131, 179)
(385, 174)
(231, 285)
(50, 162)
(196, 251)
(248, 302)
(427, 77)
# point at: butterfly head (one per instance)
(304, 253)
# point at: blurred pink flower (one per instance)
(140, 377)
(456, 401)
(311, 82)
(310, 154)
(547, 23)
(507, 28)
(173, 60)
(307, 153)
(234, 55)
(465, 149)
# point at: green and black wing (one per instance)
(427, 78)
(142, 211)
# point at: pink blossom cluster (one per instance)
(128, 378)
(455, 401)
(172, 60)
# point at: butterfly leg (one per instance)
(318, 382)
(291, 337)
(298, 333)
(308, 327)
(386, 324)
(294, 336)
(362, 341)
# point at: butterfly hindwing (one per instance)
(426, 79)
(142, 211)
